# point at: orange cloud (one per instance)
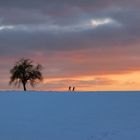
(89, 69)
(129, 81)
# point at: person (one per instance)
(73, 89)
(69, 88)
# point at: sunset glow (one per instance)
(111, 82)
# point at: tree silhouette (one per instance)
(24, 72)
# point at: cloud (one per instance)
(6, 27)
(105, 21)
(64, 83)
(71, 37)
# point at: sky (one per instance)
(90, 44)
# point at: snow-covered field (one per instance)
(69, 115)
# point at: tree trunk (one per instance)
(24, 86)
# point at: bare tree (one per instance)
(24, 72)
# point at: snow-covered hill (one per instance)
(69, 115)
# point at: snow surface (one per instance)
(69, 115)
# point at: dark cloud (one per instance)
(33, 3)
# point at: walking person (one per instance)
(73, 89)
(69, 88)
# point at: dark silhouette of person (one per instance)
(73, 89)
(69, 88)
